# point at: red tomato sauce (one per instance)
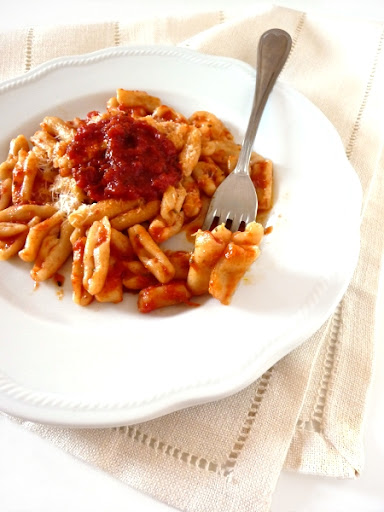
(122, 158)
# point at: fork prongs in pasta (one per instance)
(227, 204)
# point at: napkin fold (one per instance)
(306, 413)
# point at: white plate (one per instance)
(110, 365)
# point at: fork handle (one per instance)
(273, 50)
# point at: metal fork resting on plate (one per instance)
(235, 201)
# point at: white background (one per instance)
(35, 476)
(43, 12)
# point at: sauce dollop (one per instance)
(122, 157)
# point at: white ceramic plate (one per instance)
(110, 365)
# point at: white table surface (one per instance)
(37, 477)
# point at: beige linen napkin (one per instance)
(306, 413)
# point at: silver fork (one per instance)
(235, 201)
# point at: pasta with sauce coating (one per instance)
(150, 254)
(163, 295)
(110, 189)
(209, 246)
(240, 253)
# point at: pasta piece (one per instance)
(160, 231)
(17, 144)
(80, 295)
(76, 234)
(58, 128)
(239, 255)
(195, 224)
(5, 193)
(171, 203)
(53, 253)
(37, 234)
(121, 245)
(86, 214)
(96, 256)
(209, 246)
(211, 128)
(175, 132)
(226, 154)
(171, 220)
(252, 235)
(164, 295)
(112, 290)
(18, 177)
(180, 261)
(150, 254)
(13, 238)
(137, 99)
(10, 229)
(165, 113)
(229, 270)
(208, 147)
(136, 215)
(46, 142)
(208, 177)
(262, 177)
(192, 202)
(6, 167)
(9, 246)
(30, 170)
(112, 103)
(25, 212)
(47, 172)
(190, 154)
(136, 276)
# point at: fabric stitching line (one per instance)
(117, 35)
(156, 444)
(28, 49)
(200, 462)
(237, 448)
(314, 424)
(357, 123)
(298, 30)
